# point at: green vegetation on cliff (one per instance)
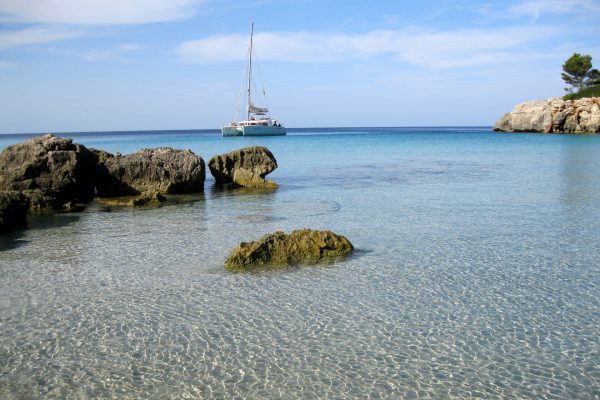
(593, 91)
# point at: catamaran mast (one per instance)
(250, 68)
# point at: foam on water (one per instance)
(476, 275)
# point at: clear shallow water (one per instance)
(477, 275)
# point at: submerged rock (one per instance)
(53, 170)
(279, 249)
(553, 115)
(13, 210)
(44, 200)
(244, 167)
(149, 199)
(163, 170)
(153, 199)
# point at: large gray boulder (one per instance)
(51, 170)
(244, 167)
(553, 115)
(279, 249)
(13, 210)
(162, 170)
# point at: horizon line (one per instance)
(207, 130)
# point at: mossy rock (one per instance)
(148, 199)
(245, 167)
(252, 180)
(280, 249)
(153, 199)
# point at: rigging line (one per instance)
(250, 67)
(248, 73)
(261, 82)
(237, 104)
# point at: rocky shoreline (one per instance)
(553, 115)
(53, 174)
(50, 174)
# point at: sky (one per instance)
(105, 65)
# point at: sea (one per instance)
(476, 275)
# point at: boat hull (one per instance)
(231, 131)
(263, 130)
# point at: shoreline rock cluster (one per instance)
(50, 173)
(553, 115)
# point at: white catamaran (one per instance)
(258, 122)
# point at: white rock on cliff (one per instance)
(553, 115)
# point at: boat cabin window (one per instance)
(254, 123)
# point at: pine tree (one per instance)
(578, 72)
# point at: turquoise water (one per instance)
(477, 275)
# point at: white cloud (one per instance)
(95, 12)
(34, 36)
(119, 52)
(413, 46)
(535, 8)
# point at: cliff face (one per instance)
(553, 115)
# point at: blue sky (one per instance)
(88, 65)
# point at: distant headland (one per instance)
(554, 115)
(577, 112)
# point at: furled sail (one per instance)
(256, 110)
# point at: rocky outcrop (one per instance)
(57, 174)
(13, 210)
(51, 170)
(553, 116)
(279, 248)
(50, 173)
(244, 167)
(162, 170)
